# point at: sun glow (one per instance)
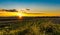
(20, 14)
(24, 14)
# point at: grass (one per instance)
(32, 26)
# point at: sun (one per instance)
(20, 14)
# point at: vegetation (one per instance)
(31, 26)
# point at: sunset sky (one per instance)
(45, 6)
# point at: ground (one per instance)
(30, 26)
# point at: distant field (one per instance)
(30, 25)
